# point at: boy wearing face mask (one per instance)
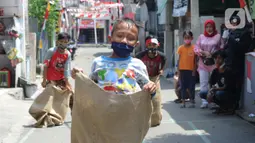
(57, 64)
(120, 73)
(155, 63)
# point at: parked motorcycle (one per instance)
(72, 49)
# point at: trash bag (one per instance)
(50, 107)
(102, 117)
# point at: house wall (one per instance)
(17, 7)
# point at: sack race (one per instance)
(102, 117)
(50, 107)
(156, 115)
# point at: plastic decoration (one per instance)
(12, 32)
(12, 53)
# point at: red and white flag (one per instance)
(244, 5)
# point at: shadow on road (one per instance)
(175, 138)
(165, 84)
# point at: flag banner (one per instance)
(46, 16)
(180, 8)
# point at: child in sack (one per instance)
(120, 73)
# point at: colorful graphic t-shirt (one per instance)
(119, 75)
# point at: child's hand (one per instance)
(161, 72)
(150, 87)
(194, 73)
(75, 71)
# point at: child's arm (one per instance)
(195, 66)
(143, 80)
(67, 72)
(212, 80)
(163, 63)
(179, 52)
(46, 62)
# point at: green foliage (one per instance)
(37, 9)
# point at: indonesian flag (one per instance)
(244, 5)
(46, 16)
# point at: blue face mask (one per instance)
(122, 50)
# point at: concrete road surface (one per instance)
(178, 125)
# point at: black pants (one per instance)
(187, 83)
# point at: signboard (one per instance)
(89, 23)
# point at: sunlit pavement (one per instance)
(178, 125)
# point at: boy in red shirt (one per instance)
(57, 64)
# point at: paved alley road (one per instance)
(178, 125)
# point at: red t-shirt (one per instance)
(56, 66)
(154, 65)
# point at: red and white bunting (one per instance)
(92, 15)
(104, 4)
(74, 10)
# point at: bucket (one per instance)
(28, 88)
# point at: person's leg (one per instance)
(177, 91)
(204, 87)
(156, 116)
(222, 99)
(184, 86)
(192, 90)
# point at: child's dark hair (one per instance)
(129, 21)
(64, 35)
(187, 33)
(220, 53)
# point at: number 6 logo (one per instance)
(235, 18)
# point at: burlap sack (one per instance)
(156, 115)
(50, 107)
(101, 117)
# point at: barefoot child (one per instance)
(121, 73)
(187, 68)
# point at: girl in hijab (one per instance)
(208, 43)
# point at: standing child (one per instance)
(187, 68)
(120, 73)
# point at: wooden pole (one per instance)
(95, 30)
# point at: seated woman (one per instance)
(222, 85)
